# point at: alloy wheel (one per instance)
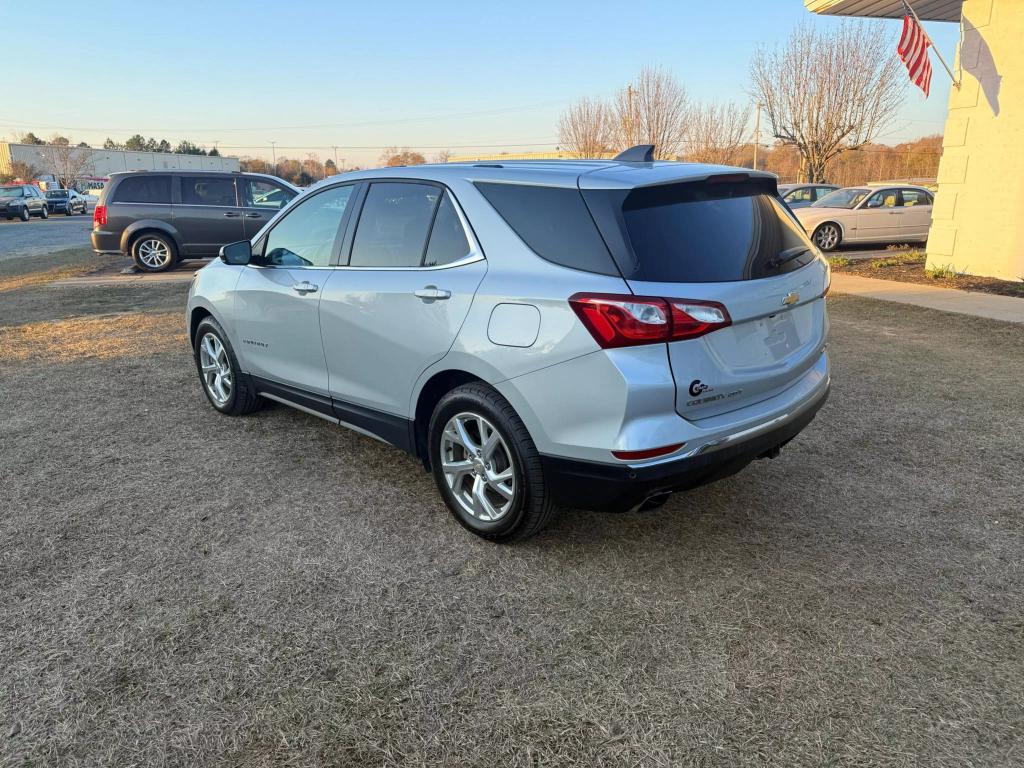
(154, 253)
(478, 467)
(827, 237)
(216, 369)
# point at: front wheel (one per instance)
(226, 388)
(44, 213)
(486, 466)
(827, 236)
(24, 214)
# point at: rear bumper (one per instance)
(616, 488)
(105, 242)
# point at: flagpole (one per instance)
(912, 12)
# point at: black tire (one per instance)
(243, 398)
(532, 508)
(69, 210)
(140, 243)
(827, 236)
(44, 212)
(24, 214)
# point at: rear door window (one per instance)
(554, 222)
(394, 223)
(208, 190)
(144, 189)
(912, 197)
(701, 232)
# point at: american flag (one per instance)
(913, 50)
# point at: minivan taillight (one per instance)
(624, 320)
(99, 216)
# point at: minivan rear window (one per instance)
(554, 222)
(700, 232)
(143, 189)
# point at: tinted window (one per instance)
(264, 194)
(393, 226)
(554, 222)
(12, 192)
(448, 241)
(55, 194)
(144, 189)
(305, 237)
(916, 197)
(800, 195)
(208, 190)
(705, 233)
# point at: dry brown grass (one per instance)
(30, 279)
(104, 338)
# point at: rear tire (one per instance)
(153, 252)
(44, 213)
(827, 236)
(226, 387)
(24, 214)
(486, 466)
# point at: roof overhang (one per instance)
(928, 10)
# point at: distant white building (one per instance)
(107, 161)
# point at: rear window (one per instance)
(701, 232)
(554, 222)
(143, 189)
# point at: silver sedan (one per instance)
(873, 214)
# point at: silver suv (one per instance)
(541, 334)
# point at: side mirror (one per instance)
(874, 204)
(239, 253)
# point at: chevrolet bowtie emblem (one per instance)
(790, 299)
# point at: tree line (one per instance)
(827, 96)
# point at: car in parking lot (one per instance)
(66, 201)
(160, 217)
(803, 195)
(591, 334)
(22, 201)
(869, 214)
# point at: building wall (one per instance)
(978, 220)
(108, 161)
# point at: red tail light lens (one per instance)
(99, 216)
(649, 453)
(617, 320)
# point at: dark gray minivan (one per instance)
(160, 217)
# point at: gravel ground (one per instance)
(39, 237)
(182, 588)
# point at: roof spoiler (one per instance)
(641, 153)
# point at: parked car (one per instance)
(886, 214)
(589, 334)
(160, 217)
(803, 195)
(66, 201)
(22, 201)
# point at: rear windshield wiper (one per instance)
(786, 256)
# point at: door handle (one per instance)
(232, 214)
(253, 216)
(305, 287)
(432, 293)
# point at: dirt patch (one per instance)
(102, 338)
(910, 268)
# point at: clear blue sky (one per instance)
(363, 75)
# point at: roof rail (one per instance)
(641, 153)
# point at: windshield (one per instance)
(12, 192)
(57, 193)
(842, 198)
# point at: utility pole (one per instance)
(273, 154)
(336, 159)
(757, 133)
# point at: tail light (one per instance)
(616, 320)
(99, 216)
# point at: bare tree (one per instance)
(587, 128)
(393, 156)
(826, 92)
(653, 109)
(443, 156)
(66, 161)
(717, 133)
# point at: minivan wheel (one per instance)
(827, 236)
(153, 252)
(226, 388)
(486, 466)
